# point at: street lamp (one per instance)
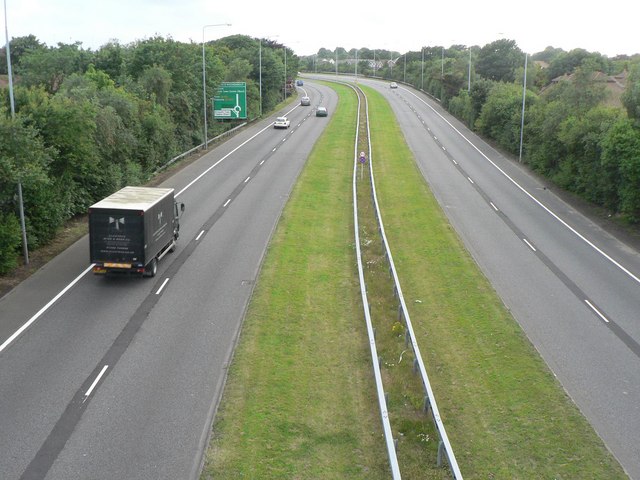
(356, 64)
(204, 82)
(422, 70)
(469, 82)
(260, 70)
(25, 248)
(374, 63)
(524, 96)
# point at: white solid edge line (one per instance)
(542, 205)
(95, 382)
(166, 280)
(18, 332)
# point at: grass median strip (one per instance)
(506, 415)
(299, 396)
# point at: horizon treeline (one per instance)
(90, 122)
(581, 117)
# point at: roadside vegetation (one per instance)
(90, 122)
(582, 118)
(299, 400)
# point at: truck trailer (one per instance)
(132, 229)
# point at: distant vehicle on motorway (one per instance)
(393, 85)
(299, 83)
(281, 122)
(321, 112)
(305, 101)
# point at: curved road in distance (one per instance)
(120, 378)
(547, 262)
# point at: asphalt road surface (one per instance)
(120, 377)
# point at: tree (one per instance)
(19, 46)
(25, 159)
(566, 62)
(621, 157)
(156, 82)
(49, 67)
(110, 59)
(631, 95)
(500, 117)
(499, 60)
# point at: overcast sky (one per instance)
(400, 25)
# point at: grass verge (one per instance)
(299, 401)
(506, 415)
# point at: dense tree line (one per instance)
(89, 122)
(574, 133)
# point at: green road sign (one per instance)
(230, 101)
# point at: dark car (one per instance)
(299, 83)
(321, 112)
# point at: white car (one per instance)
(281, 122)
(393, 85)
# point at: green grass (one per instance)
(506, 415)
(300, 401)
(299, 398)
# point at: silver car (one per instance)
(305, 101)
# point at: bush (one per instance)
(10, 239)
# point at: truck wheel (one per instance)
(151, 269)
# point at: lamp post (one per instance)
(260, 70)
(374, 63)
(25, 248)
(422, 71)
(469, 82)
(204, 82)
(356, 64)
(405, 68)
(524, 96)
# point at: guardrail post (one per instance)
(426, 404)
(440, 449)
(399, 312)
(416, 366)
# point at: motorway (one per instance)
(121, 377)
(573, 287)
(152, 356)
